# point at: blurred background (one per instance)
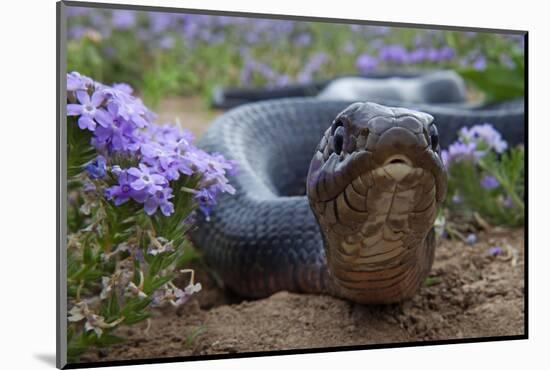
(175, 61)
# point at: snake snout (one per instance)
(399, 144)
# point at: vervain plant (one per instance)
(133, 188)
(486, 176)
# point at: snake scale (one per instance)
(333, 197)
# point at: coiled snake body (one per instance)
(332, 197)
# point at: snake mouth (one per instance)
(398, 159)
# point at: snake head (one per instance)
(374, 185)
(366, 137)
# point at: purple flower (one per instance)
(495, 251)
(73, 11)
(89, 110)
(122, 192)
(459, 151)
(206, 199)
(433, 55)
(167, 42)
(418, 55)
(471, 239)
(366, 63)
(446, 53)
(119, 136)
(166, 134)
(123, 87)
(315, 62)
(97, 168)
(480, 63)
(75, 81)
(303, 39)
(507, 202)
(89, 186)
(489, 182)
(165, 161)
(393, 54)
(160, 22)
(160, 198)
(457, 199)
(146, 180)
(485, 133)
(76, 32)
(282, 80)
(473, 143)
(252, 66)
(123, 19)
(129, 108)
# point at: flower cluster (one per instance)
(307, 46)
(486, 177)
(314, 63)
(122, 125)
(396, 54)
(473, 143)
(95, 322)
(121, 262)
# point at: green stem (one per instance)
(509, 188)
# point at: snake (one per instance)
(333, 197)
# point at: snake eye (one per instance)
(335, 125)
(434, 137)
(338, 140)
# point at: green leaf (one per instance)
(136, 317)
(155, 265)
(431, 281)
(159, 282)
(74, 352)
(79, 150)
(194, 334)
(498, 83)
(93, 274)
(87, 254)
(113, 308)
(108, 340)
(135, 304)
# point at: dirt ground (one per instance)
(191, 113)
(469, 294)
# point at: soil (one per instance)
(469, 294)
(191, 113)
